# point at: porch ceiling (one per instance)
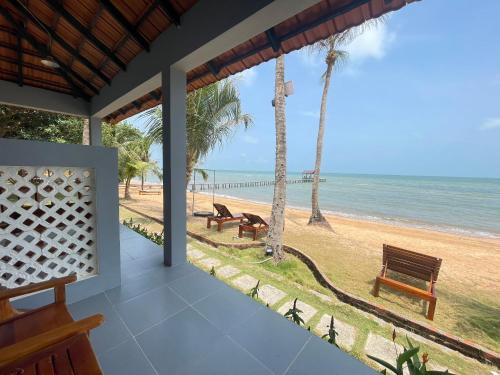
(92, 41)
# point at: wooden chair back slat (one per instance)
(421, 266)
(222, 210)
(255, 219)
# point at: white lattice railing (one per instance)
(47, 224)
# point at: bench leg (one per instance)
(432, 309)
(219, 226)
(255, 235)
(240, 232)
(209, 223)
(376, 287)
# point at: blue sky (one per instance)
(420, 95)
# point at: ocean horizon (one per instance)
(459, 205)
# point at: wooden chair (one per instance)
(45, 340)
(254, 224)
(419, 266)
(223, 216)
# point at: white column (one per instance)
(174, 165)
(95, 131)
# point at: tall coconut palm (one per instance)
(335, 55)
(212, 113)
(276, 224)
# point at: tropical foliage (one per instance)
(254, 292)
(212, 114)
(134, 155)
(30, 124)
(332, 333)
(294, 314)
(408, 362)
(157, 238)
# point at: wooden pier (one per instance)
(237, 185)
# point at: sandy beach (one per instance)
(351, 256)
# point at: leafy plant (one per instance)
(157, 238)
(410, 360)
(294, 314)
(332, 333)
(212, 271)
(254, 292)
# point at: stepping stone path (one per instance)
(270, 295)
(227, 271)
(307, 311)
(195, 254)
(210, 262)
(346, 333)
(383, 348)
(245, 282)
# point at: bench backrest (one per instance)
(255, 219)
(421, 266)
(222, 211)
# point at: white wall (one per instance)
(104, 162)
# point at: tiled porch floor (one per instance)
(181, 320)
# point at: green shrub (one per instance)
(294, 314)
(254, 292)
(408, 359)
(332, 333)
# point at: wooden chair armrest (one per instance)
(31, 288)
(39, 342)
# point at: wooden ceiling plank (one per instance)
(20, 62)
(77, 91)
(171, 13)
(58, 8)
(74, 53)
(122, 20)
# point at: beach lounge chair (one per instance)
(254, 224)
(419, 266)
(45, 340)
(223, 216)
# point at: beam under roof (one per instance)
(44, 100)
(226, 24)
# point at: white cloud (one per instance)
(490, 123)
(246, 77)
(313, 114)
(373, 43)
(250, 140)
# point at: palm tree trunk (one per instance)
(127, 188)
(276, 224)
(316, 216)
(142, 180)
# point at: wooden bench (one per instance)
(223, 216)
(45, 340)
(149, 192)
(254, 224)
(419, 266)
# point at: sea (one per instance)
(465, 206)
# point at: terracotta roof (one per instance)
(93, 40)
(313, 24)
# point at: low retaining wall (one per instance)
(465, 347)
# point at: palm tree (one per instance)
(137, 162)
(212, 113)
(275, 233)
(335, 56)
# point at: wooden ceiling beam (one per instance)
(59, 8)
(25, 51)
(124, 22)
(171, 13)
(42, 49)
(74, 53)
(273, 39)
